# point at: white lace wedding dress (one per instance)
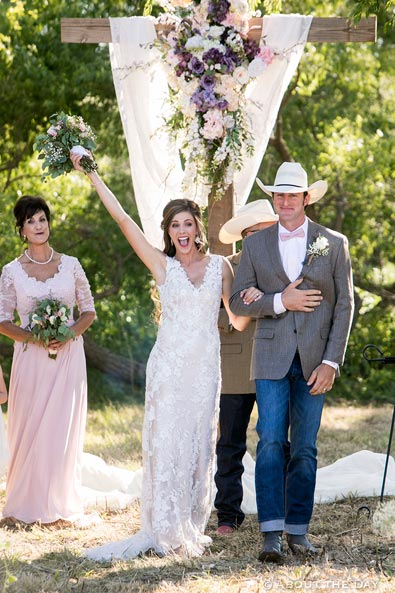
(180, 423)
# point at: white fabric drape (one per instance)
(141, 90)
(286, 35)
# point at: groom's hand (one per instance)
(295, 299)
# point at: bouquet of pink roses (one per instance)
(48, 321)
(66, 133)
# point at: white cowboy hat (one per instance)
(248, 215)
(291, 177)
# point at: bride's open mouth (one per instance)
(183, 241)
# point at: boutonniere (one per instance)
(319, 247)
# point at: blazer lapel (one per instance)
(274, 252)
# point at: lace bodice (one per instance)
(19, 291)
(186, 308)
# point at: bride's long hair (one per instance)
(171, 210)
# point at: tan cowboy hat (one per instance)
(248, 215)
(291, 177)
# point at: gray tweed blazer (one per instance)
(320, 335)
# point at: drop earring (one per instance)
(197, 240)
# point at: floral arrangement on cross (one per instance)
(210, 62)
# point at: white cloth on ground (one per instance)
(357, 475)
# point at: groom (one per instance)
(303, 323)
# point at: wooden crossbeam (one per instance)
(323, 29)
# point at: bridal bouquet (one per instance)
(210, 61)
(66, 133)
(48, 321)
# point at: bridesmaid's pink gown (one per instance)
(47, 402)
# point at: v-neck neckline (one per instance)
(203, 277)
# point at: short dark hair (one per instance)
(26, 207)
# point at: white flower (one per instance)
(216, 31)
(241, 75)
(52, 320)
(48, 309)
(256, 67)
(171, 58)
(319, 247)
(36, 320)
(195, 42)
(322, 244)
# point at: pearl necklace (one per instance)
(40, 263)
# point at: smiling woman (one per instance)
(47, 398)
(183, 381)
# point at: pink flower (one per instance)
(266, 54)
(52, 131)
(214, 126)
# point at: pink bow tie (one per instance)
(292, 234)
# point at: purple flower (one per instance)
(204, 99)
(197, 99)
(251, 48)
(196, 66)
(207, 81)
(222, 104)
(229, 64)
(213, 56)
(209, 98)
(233, 56)
(218, 9)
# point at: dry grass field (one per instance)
(352, 557)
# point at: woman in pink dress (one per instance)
(47, 397)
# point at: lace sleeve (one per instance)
(83, 293)
(7, 296)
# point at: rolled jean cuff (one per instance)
(274, 525)
(298, 529)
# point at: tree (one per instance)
(337, 119)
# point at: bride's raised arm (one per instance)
(152, 257)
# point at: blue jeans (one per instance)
(285, 470)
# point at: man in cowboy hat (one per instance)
(237, 392)
(303, 323)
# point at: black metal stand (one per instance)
(382, 360)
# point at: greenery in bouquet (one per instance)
(48, 321)
(66, 132)
(210, 61)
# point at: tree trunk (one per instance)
(120, 366)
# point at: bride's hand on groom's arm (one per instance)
(250, 295)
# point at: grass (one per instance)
(352, 557)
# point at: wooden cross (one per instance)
(327, 29)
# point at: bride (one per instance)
(183, 381)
